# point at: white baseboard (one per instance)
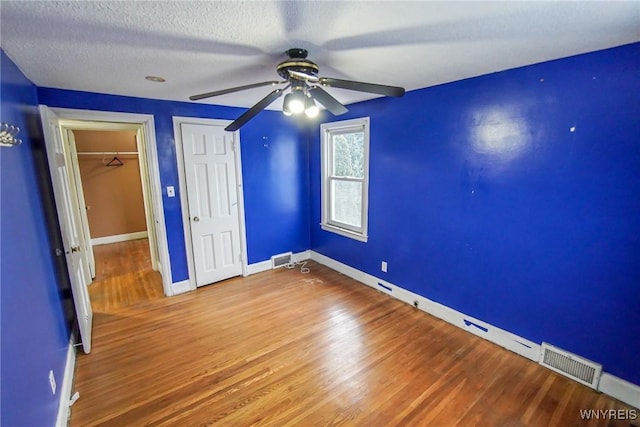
(119, 238)
(181, 287)
(259, 267)
(622, 390)
(301, 256)
(613, 386)
(65, 388)
(503, 338)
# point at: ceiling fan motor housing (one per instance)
(297, 52)
(297, 62)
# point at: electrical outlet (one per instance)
(383, 267)
(52, 382)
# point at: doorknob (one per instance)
(196, 219)
(75, 249)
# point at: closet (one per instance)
(112, 189)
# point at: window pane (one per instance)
(346, 202)
(348, 154)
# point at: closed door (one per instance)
(212, 193)
(69, 221)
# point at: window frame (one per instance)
(327, 130)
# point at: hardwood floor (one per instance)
(281, 348)
(123, 276)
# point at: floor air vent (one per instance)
(281, 260)
(575, 367)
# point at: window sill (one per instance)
(344, 232)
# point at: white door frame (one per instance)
(177, 121)
(145, 125)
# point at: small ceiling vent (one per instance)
(575, 367)
(281, 260)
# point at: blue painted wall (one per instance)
(275, 168)
(35, 337)
(482, 198)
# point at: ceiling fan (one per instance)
(301, 75)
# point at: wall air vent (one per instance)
(281, 260)
(575, 367)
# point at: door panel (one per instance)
(227, 250)
(69, 220)
(87, 248)
(222, 186)
(209, 161)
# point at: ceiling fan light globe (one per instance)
(312, 111)
(310, 108)
(286, 110)
(296, 106)
(295, 101)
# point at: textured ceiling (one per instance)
(109, 47)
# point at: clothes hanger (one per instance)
(115, 162)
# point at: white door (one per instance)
(68, 218)
(210, 172)
(87, 247)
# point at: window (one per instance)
(345, 177)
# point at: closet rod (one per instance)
(107, 153)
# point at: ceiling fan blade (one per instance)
(363, 87)
(233, 89)
(251, 112)
(328, 101)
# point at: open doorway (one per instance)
(67, 120)
(58, 125)
(116, 222)
(124, 276)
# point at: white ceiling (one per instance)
(110, 46)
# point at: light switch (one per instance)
(171, 192)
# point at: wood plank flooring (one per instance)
(123, 276)
(281, 348)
